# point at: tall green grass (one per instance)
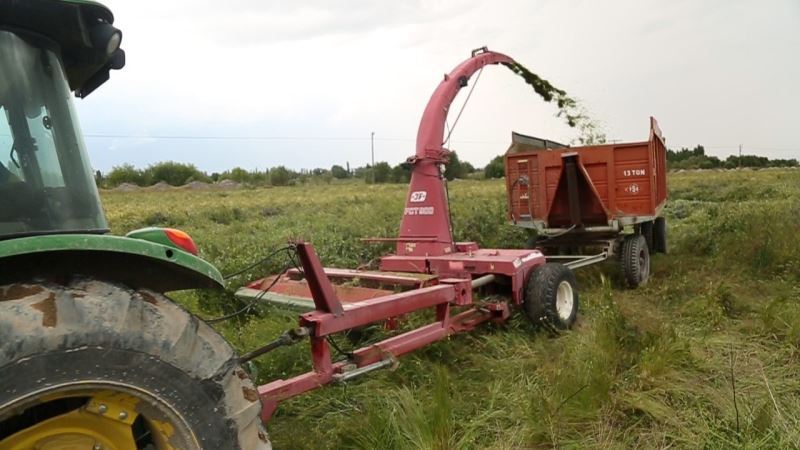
(648, 368)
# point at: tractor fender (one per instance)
(132, 262)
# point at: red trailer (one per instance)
(579, 197)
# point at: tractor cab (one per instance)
(46, 182)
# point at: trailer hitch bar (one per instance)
(289, 337)
(351, 371)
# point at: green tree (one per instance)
(401, 173)
(125, 173)
(363, 172)
(236, 174)
(339, 172)
(174, 173)
(258, 177)
(453, 169)
(495, 168)
(382, 172)
(279, 176)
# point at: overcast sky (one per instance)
(261, 83)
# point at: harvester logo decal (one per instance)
(418, 196)
(419, 211)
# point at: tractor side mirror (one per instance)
(115, 62)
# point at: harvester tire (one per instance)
(635, 258)
(660, 235)
(66, 346)
(551, 296)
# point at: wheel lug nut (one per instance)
(123, 415)
(102, 410)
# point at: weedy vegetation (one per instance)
(706, 355)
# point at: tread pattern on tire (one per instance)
(46, 317)
(632, 245)
(541, 293)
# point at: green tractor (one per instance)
(92, 353)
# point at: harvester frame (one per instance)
(428, 266)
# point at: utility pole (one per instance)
(740, 156)
(372, 147)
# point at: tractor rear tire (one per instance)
(635, 258)
(660, 235)
(551, 296)
(92, 351)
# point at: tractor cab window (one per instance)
(47, 157)
(46, 183)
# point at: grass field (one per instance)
(646, 368)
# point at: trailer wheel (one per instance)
(646, 230)
(635, 260)
(660, 235)
(551, 296)
(96, 365)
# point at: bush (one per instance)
(279, 176)
(401, 173)
(125, 173)
(382, 172)
(339, 172)
(174, 173)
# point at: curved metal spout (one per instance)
(425, 229)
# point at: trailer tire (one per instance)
(635, 260)
(646, 230)
(660, 235)
(69, 347)
(551, 296)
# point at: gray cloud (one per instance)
(249, 22)
(717, 73)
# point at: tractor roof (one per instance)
(68, 23)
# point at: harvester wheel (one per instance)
(635, 258)
(97, 365)
(646, 230)
(551, 296)
(660, 235)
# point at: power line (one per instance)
(265, 138)
(733, 147)
(736, 146)
(232, 138)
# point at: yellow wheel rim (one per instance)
(104, 422)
